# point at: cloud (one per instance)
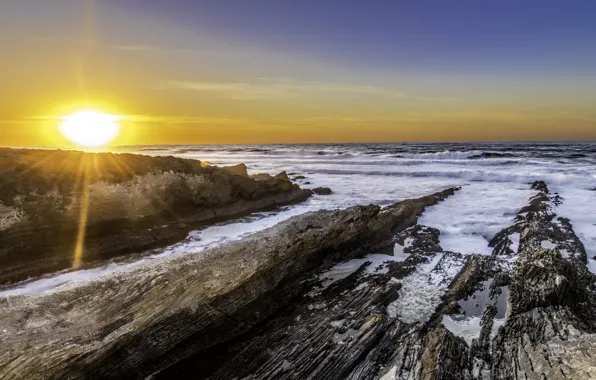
(284, 89)
(152, 49)
(185, 119)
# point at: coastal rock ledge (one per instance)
(127, 203)
(319, 297)
(151, 318)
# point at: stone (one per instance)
(322, 191)
(283, 175)
(239, 169)
(262, 177)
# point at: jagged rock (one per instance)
(540, 186)
(266, 307)
(420, 239)
(341, 331)
(538, 311)
(322, 191)
(145, 320)
(132, 203)
(239, 169)
(533, 308)
(283, 175)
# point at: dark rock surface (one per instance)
(130, 203)
(322, 191)
(148, 319)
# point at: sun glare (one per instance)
(90, 128)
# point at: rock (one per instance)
(275, 306)
(134, 203)
(537, 314)
(239, 169)
(534, 309)
(262, 177)
(148, 319)
(283, 175)
(322, 191)
(299, 177)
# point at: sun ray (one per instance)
(83, 216)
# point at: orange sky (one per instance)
(179, 86)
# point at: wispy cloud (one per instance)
(283, 89)
(153, 49)
(185, 119)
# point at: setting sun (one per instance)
(90, 128)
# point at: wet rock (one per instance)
(260, 309)
(299, 177)
(202, 307)
(536, 305)
(322, 191)
(540, 186)
(527, 312)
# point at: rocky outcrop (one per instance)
(239, 169)
(127, 203)
(526, 312)
(322, 191)
(362, 293)
(159, 316)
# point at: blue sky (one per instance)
(460, 35)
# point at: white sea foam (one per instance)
(419, 295)
(469, 328)
(196, 242)
(378, 265)
(579, 205)
(466, 328)
(474, 215)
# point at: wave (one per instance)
(495, 155)
(580, 181)
(445, 155)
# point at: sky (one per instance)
(289, 71)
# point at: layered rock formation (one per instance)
(148, 320)
(127, 203)
(526, 312)
(298, 301)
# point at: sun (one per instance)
(90, 128)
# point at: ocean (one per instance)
(494, 178)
